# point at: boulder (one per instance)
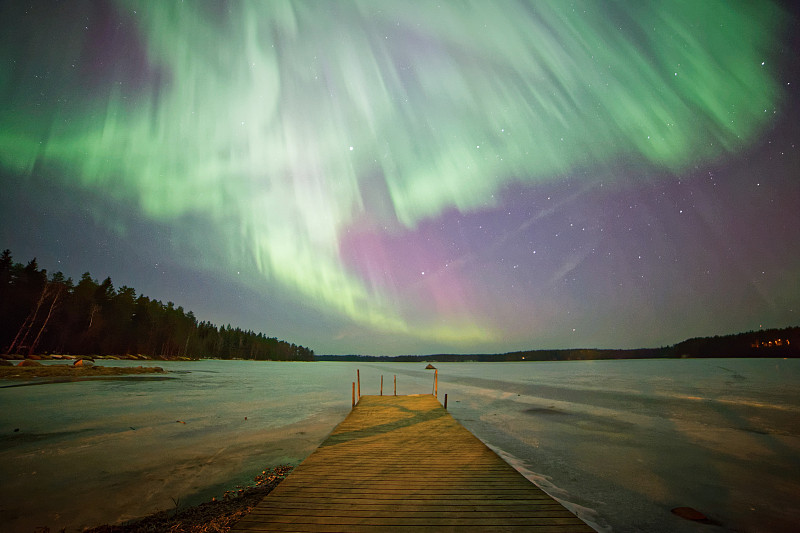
(83, 363)
(29, 362)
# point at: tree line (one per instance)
(41, 314)
(783, 342)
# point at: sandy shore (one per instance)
(216, 516)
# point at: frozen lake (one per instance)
(619, 442)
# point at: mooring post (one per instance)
(445, 402)
(436, 382)
(395, 384)
(358, 378)
(354, 394)
(381, 384)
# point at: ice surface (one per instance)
(630, 440)
(619, 442)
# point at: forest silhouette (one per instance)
(41, 314)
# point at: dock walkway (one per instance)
(402, 463)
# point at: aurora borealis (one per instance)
(414, 177)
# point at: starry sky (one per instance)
(387, 177)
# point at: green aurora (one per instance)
(287, 125)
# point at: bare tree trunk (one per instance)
(19, 332)
(94, 309)
(59, 289)
(186, 346)
(28, 324)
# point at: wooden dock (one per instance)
(402, 463)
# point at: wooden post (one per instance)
(354, 394)
(381, 384)
(445, 402)
(358, 378)
(395, 384)
(436, 382)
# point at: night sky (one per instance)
(414, 177)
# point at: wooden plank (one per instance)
(402, 463)
(404, 520)
(419, 505)
(421, 508)
(436, 499)
(474, 516)
(400, 528)
(391, 510)
(489, 492)
(413, 485)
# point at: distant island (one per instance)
(41, 314)
(762, 343)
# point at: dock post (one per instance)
(354, 394)
(436, 382)
(395, 384)
(358, 378)
(381, 384)
(445, 402)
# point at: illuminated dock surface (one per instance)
(402, 463)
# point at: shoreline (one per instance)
(215, 516)
(67, 357)
(58, 373)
